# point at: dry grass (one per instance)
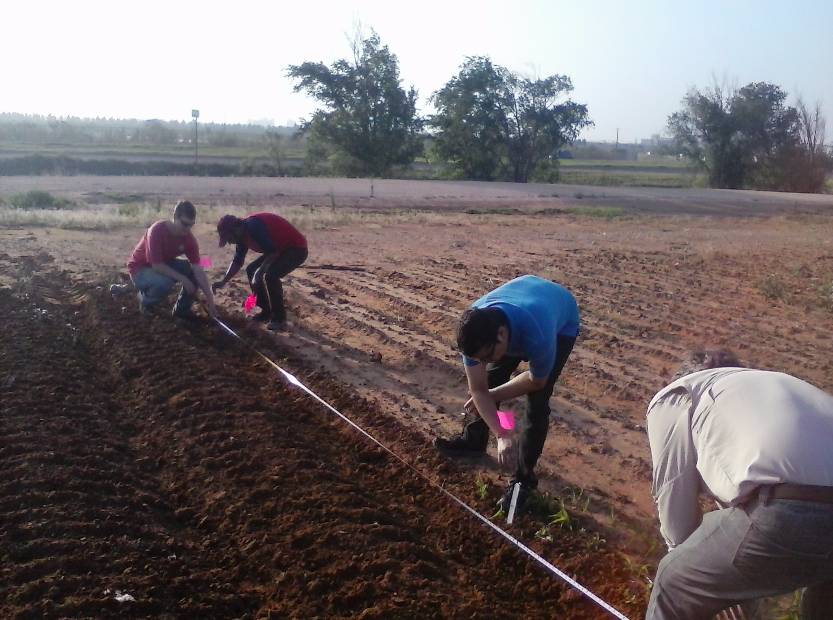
(112, 216)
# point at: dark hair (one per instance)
(478, 328)
(184, 208)
(704, 359)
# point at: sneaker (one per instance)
(276, 326)
(117, 290)
(505, 502)
(458, 446)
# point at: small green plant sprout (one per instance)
(544, 534)
(481, 489)
(772, 287)
(825, 292)
(577, 499)
(499, 514)
(562, 518)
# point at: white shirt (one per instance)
(727, 431)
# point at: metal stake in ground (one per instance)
(515, 490)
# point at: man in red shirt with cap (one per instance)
(155, 268)
(283, 248)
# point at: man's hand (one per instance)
(470, 407)
(507, 453)
(216, 286)
(188, 286)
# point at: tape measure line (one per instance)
(292, 379)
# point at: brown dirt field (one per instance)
(379, 342)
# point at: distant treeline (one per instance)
(36, 129)
(63, 165)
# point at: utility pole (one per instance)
(617, 138)
(195, 114)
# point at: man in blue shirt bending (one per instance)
(526, 319)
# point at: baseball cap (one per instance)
(225, 228)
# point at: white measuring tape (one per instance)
(553, 569)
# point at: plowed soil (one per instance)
(144, 458)
(170, 463)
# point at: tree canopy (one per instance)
(493, 124)
(749, 138)
(368, 119)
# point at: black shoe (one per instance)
(117, 290)
(185, 315)
(458, 446)
(263, 316)
(505, 502)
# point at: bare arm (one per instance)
(205, 287)
(524, 383)
(232, 270)
(484, 402)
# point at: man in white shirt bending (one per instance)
(760, 444)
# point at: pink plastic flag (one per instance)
(251, 302)
(205, 262)
(506, 420)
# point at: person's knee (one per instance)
(668, 594)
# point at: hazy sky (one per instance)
(631, 61)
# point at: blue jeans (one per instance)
(153, 286)
(746, 553)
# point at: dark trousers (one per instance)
(268, 288)
(536, 422)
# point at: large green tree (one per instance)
(492, 123)
(368, 120)
(748, 137)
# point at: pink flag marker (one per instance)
(205, 262)
(251, 302)
(506, 420)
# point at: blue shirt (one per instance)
(538, 311)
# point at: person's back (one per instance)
(551, 306)
(753, 427)
(280, 231)
(758, 442)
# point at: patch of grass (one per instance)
(825, 292)
(636, 178)
(136, 210)
(606, 213)
(113, 198)
(772, 287)
(38, 199)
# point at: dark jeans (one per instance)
(535, 423)
(268, 289)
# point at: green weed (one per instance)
(481, 489)
(772, 287)
(38, 199)
(607, 213)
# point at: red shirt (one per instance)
(281, 233)
(160, 245)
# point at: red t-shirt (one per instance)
(281, 233)
(160, 245)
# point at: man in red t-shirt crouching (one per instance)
(283, 247)
(155, 267)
